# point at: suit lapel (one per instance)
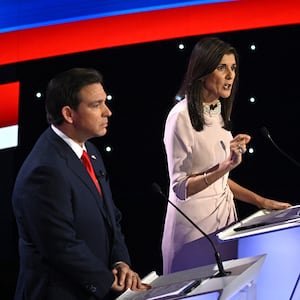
(78, 168)
(75, 164)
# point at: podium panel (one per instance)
(238, 285)
(282, 266)
(276, 233)
(263, 221)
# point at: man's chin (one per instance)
(102, 132)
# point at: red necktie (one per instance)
(88, 165)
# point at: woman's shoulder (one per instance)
(178, 118)
(180, 108)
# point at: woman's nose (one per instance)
(230, 73)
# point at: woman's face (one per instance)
(219, 83)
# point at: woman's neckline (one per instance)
(212, 109)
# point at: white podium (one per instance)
(240, 284)
(279, 238)
(263, 221)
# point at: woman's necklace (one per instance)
(212, 109)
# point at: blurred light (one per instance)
(181, 46)
(178, 98)
(109, 97)
(108, 149)
(252, 100)
(253, 47)
(38, 95)
(251, 150)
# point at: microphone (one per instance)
(101, 174)
(213, 106)
(222, 272)
(223, 147)
(266, 134)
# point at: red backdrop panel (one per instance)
(9, 104)
(107, 32)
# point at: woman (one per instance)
(201, 152)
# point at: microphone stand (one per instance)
(222, 272)
(266, 133)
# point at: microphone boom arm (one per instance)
(266, 133)
(222, 272)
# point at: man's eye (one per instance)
(95, 104)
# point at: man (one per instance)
(70, 241)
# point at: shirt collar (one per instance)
(74, 146)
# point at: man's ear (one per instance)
(67, 113)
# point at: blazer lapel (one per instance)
(78, 169)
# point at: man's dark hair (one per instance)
(63, 90)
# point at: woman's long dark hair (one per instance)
(204, 59)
